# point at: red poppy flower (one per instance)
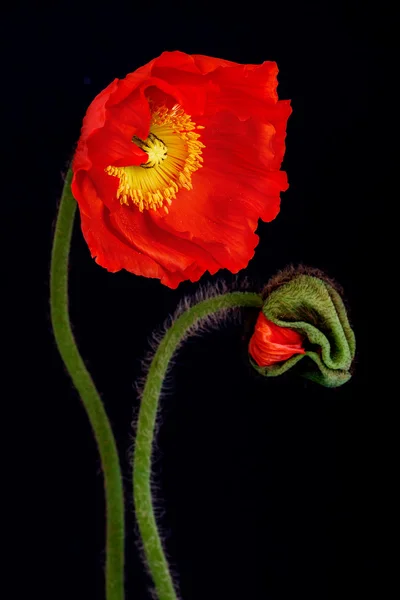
(177, 162)
(271, 344)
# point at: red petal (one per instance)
(128, 239)
(105, 245)
(173, 253)
(192, 88)
(96, 114)
(246, 90)
(175, 60)
(94, 119)
(206, 64)
(204, 216)
(243, 158)
(271, 344)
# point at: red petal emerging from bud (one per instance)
(271, 344)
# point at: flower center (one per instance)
(174, 153)
(155, 148)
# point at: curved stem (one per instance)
(83, 382)
(144, 510)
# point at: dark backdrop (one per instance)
(270, 489)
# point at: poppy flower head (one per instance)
(177, 162)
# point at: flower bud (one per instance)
(303, 320)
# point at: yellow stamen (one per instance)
(174, 154)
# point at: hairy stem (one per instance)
(83, 382)
(157, 562)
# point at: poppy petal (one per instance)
(202, 215)
(105, 245)
(271, 343)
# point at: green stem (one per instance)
(83, 382)
(144, 510)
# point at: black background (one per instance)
(270, 489)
